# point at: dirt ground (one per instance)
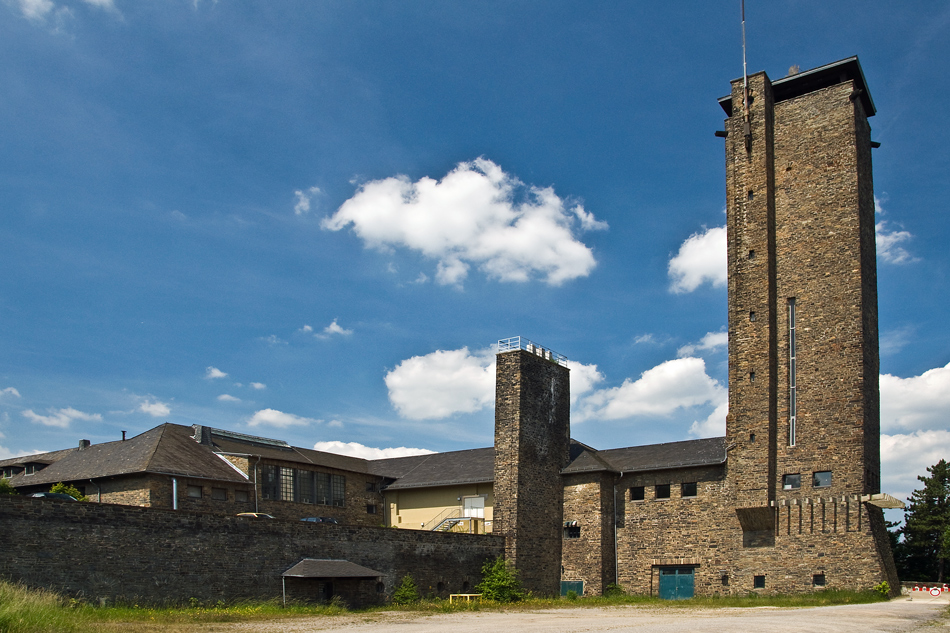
(897, 615)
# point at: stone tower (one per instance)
(532, 445)
(804, 415)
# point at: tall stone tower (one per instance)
(804, 416)
(532, 445)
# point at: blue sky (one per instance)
(311, 220)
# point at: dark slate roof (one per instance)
(234, 443)
(439, 469)
(816, 79)
(587, 460)
(38, 458)
(705, 452)
(326, 568)
(166, 449)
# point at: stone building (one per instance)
(788, 501)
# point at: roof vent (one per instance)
(84, 444)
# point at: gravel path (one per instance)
(895, 616)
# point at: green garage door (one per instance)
(676, 583)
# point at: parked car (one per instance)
(320, 519)
(53, 495)
(255, 515)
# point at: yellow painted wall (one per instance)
(409, 509)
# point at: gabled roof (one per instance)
(439, 469)
(329, 568)
(165, 449)
(706, 452)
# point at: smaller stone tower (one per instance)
(532, 445)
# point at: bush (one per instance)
(612, 591)
(500, 582)
(6, 488)
(73, 491)
(883, 589)
(406, 592)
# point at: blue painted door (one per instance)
(676, 583)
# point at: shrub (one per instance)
(571, 595)
(500, 582)
(612, 591)
(883, 589)
(6, 488)
(70, 490)
(406, 592)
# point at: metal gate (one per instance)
(676, 583)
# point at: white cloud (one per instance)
(39, 10)
(60, 418)
(893, 341)
(273, 339)
(583, 379)
(333, 328)
(303, 200)
(213, 372)
(674, 384)
(154, 408)
(9, 391)
(442, 384)
(906, 456)
(700, 259)
(915, 403)
(272, 417)
(306, 329)
(711, 342)
(6, 453)
(334, 424)
(354, 449)
(715, 424)
(258, 385)
(224, 397)
(889, 247)
(477, 215)
(644, 339)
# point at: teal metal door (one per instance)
(577, 586)
(676, 583)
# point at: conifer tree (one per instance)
(923, 553)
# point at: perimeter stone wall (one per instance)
(153, 555)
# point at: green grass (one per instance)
(25, 610)
(37, 611)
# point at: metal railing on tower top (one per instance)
(520, 342)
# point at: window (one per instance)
(269, 488)
(818, 580)
(821, 479)
(322, 495)
(305, 486)
(287, 484)
(370, 508)
(791, 482)
(370, 486)
(752, 315)
(240, 496)
(758, 582)
(194, 492)
(219, 494)
(638, 493)
(572, 531)
(792, 379)
(688, 489)
(663, 491)
(337, 489)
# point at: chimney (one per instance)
(84, 444)
(123, 436)
(202, 434)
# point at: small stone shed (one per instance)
(321, 580)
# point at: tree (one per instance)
(406, 592)
(923, 552)
(73, 491)
(6, 488)
(500, 582)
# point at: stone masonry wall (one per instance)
(588, 500)
(155, 555)
(532, 444)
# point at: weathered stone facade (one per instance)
(532, 445)
(156, 555)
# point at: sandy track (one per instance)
(898, 615)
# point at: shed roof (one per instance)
(329, 568)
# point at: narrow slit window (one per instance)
(792, 380)
(752, 315)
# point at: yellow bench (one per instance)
(467, 596)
